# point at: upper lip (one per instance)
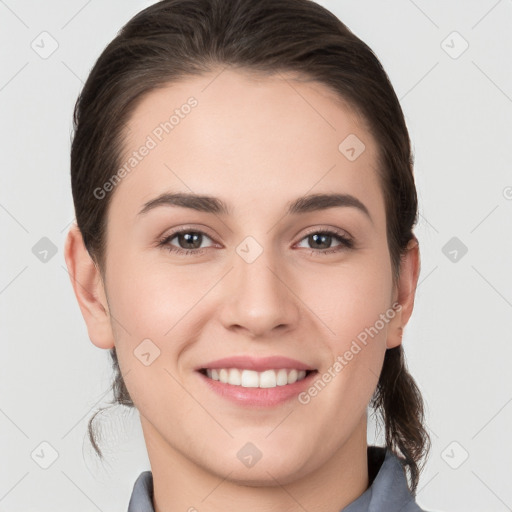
(258, 364)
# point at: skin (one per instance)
(257, 143)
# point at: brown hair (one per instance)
(175, 39)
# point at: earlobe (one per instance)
(406, 291)
(89, 290)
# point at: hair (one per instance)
(176, 39)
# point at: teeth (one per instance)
(253, 379)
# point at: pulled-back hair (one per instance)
(176, 39)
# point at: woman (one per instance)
(244, 197)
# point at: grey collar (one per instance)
(388, 491)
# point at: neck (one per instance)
(180, 484)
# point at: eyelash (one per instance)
(345, 242)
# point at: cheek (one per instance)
(150, 299)
(152, 306)
(355, 297)
(157, 309)
(356, 308)
(358, 316)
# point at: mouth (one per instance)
(271, 378)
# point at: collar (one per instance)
(387, 492)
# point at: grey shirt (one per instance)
(388, 491)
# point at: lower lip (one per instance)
(259, 397)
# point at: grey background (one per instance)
(458, 344)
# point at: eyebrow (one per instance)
(209, 204)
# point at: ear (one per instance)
(89, 289)
(405, 293)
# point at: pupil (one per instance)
(317, 236)
(191, 238)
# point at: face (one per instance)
(253, 273)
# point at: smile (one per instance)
(254, 379)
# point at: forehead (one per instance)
(249, 139)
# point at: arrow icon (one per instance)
(44, 250)
(147, 352)
(454, 45)
(249, 455)
(249, 249)
(44, 455)
(351, 147)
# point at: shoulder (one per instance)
(388, 490)
(141, 499)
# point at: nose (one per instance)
(258, 297)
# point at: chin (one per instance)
(280, 468)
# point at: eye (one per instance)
(321, 241)
(189, 241)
